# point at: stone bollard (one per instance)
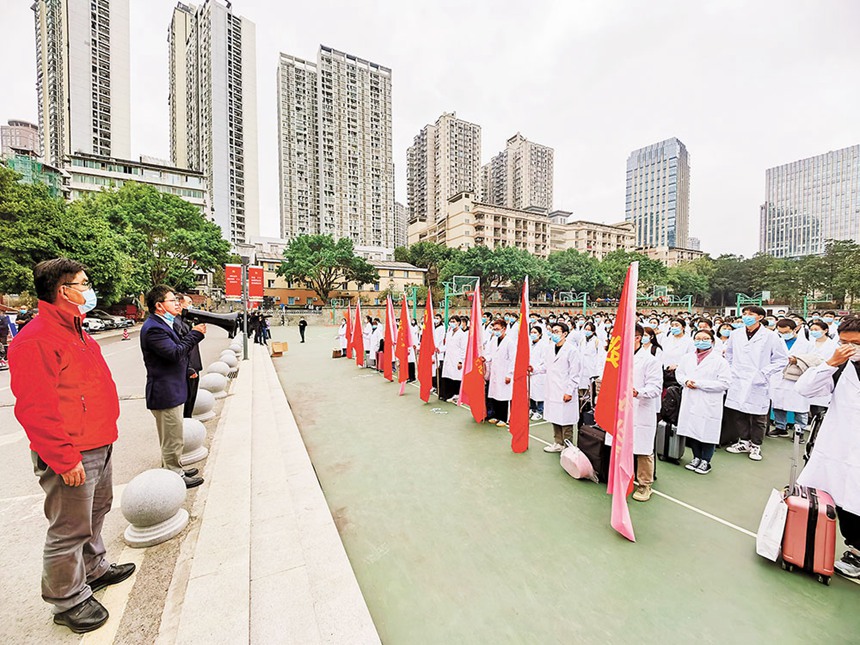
(218, 367)
(194, 434)
(152, 503)
(236, 349)
(215, 383)
(204, 406)
(230, 359)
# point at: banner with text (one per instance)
(233, 282)
(255, 283)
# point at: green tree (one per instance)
(686, 281)
(324, 264)
(167, 238)
(570, 270)
(614, 269)
(426, 255)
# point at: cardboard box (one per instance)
(278, 348)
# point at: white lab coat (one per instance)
(753, 362)
(455, 353)
(366, 332)
(783, 396)
(721, 345)
(648, 383)
(562, 376)
(376, 337)
(341, 335)
(675, 348)
(592, 357)
(825, 350)
(701, 413)
(835, 463)
(501, 353)
(537, 361)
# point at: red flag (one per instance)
(404, 344)
(387, 353)
(614, 409)
(358, 336)
(348, 333)
(427, 353)
(472, 387)
(519, 418)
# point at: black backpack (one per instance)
(671, 404)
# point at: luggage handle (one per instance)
(795, 459)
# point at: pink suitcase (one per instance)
(809, 540)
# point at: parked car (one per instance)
(93, 325)
(110, 322)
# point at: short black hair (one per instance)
(832, 313)
(50, 274)
(786, 322)
(538, 330)
(754, 309)
(157, 294)
(849, 324)
(454, 319)
(704, 331)
(500, 322)
(563, 326)
(823, 326)
(640, 330)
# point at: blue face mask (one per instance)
(787, 335)
(749, 321)
(677, 331)
(90, 301)
(555, 338)
(534, 337)
(646, 340)
(828, 319)
(589, 333)
(497, 333)
(816, 333)
(725, 333)
(737, 325)
(169, 317)
(703, 344)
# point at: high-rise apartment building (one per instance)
(334, 137)
(810, 201)
(401, 225)
(444, 160)
(658, 194)
(521, 176)
(82, 77)
(20, 136)
(213, 110)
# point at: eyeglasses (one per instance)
(170, 300)
(846, 343)
(86, 284)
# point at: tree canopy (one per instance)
(324, 264)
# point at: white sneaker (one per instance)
(532, 415)
(693, 464)
(538, 416)
(556, 447)
(755, 452)
(740, 447)
(849, 565)
(455, 398)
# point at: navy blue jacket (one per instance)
(195, 364)
(166, 358)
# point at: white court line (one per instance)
(705, 513)
(546, 443)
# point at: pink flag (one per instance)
(616, 408)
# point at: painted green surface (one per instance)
(454, 539)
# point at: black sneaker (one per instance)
(778, 432)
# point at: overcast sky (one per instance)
(746, 85)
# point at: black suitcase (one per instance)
(591, 441)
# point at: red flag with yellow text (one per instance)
(404, 344)
(426, 355)
(519, 417)
(388, 348)
(472, 386)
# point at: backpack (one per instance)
(671, 404)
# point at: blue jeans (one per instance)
(536, 406)
(703, 451)
(801, 419)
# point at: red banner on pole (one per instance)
(519, 417)
(255, 283)
(233, 281)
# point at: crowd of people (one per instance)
(730, 378)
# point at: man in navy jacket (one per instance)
(165, 355)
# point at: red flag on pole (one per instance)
(358, 336)
(404, 344)
(387, 351)
(614, 409)
(427, 352)
(472, 387)
(348, 332)
(519, 419)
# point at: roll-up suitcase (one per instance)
(591, 440)
(670, 445)
(809, 540)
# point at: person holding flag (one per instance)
(427, 352)
(472, 388)
(405, 350)
(520, 404)
(341, 336)
(452, 367)
(389, 338)
(561, 364)
(358, 337)
(499, 363)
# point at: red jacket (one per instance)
(65, 396)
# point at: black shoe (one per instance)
(778, 432)
(191, 472)
(116, 573)
(83, 617)
(192, 482)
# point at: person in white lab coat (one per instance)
(377, 334)
(452, 368)
(722, 338)
(705, 376)
(647, 389)
(754, 354)
(835, 462)
(783, 397)
(833, 325)
(341, 336)
(561, 401)
(592, 355)
(822, 346)
(366, 332)
(537, 381)
(499, 364)
(676, 344)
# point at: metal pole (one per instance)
(805, 306)
(245, 262)
(445, 284)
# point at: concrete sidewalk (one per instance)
(265, 563)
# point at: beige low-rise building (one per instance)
(470, 223)
(671, 256)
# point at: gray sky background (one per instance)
(746, 85)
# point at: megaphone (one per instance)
(227, 322)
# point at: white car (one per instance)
(93, 325)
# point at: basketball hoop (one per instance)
(469, 294)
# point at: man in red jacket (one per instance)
(66, 400)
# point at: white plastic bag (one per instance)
(768, 541)
(576, 463)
